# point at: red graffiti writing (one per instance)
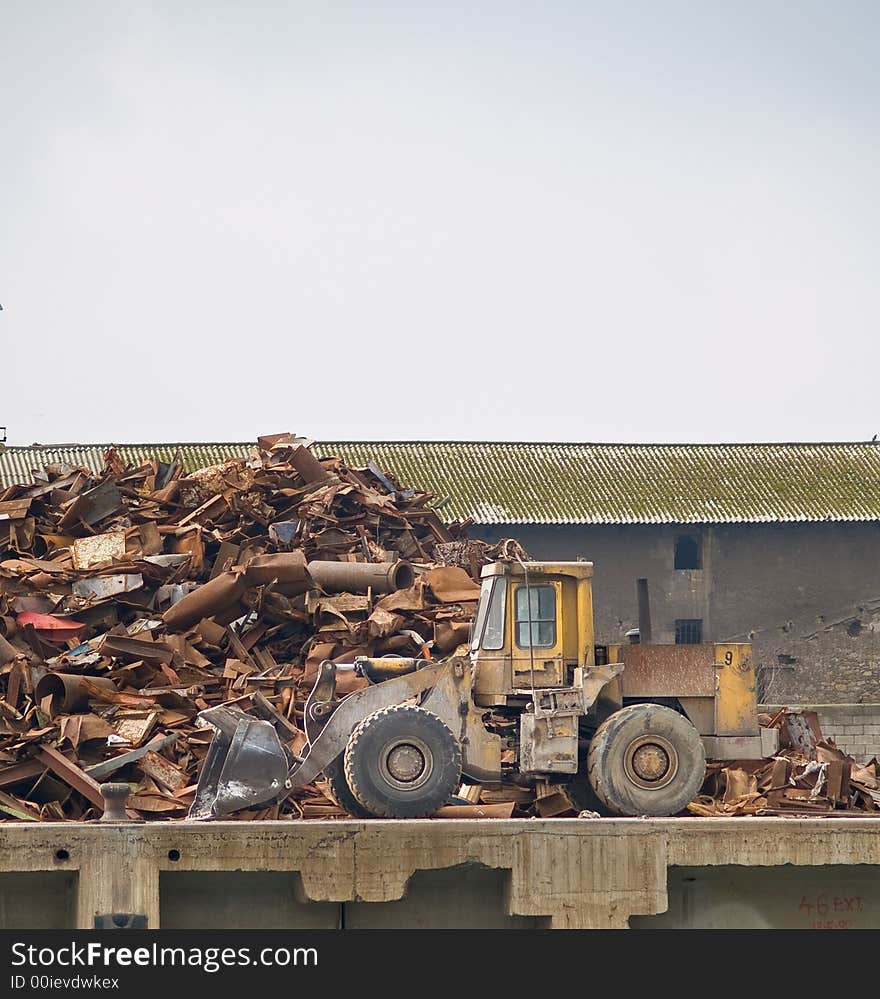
(823, 904)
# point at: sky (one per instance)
(566, 221)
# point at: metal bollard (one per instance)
(115, 796)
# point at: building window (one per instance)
(541, 610)
(688, 631)
(687, 552)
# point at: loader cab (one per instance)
(533, 629)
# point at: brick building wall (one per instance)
(806, 595)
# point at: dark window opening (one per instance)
(687, 552)
(688, 631)
(536, 605)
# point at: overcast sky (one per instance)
(623, 221)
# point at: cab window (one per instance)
(493, 636)
(482, 609)
(539, 604)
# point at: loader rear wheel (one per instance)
(646, 759)
(581, 794)
(341, 792)
(402, 762)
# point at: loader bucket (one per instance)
(246, 765)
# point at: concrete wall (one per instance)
(38, 900)
(557, 873)
(806, 595)
(467, 896)
(838, 897)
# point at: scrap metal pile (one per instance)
(134, 599)
(809, 776)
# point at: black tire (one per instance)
(341, 792)
(402, 763)
(646, 759)
(582, 795)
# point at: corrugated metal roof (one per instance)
(516, 483)
(17, 463)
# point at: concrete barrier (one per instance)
(560, 873)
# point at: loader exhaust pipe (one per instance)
(644, 611)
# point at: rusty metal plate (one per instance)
(14, 509)
(668, 670)
(801, 731)
(90, 551)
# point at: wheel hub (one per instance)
(651, 762)
(406, 763)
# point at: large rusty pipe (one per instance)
(644, 612)
(207, 600)
(356, 577)
(46, 543)
(68, 692)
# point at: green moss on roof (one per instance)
(525, 483)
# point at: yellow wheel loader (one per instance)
(627, 726)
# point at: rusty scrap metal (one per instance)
(133, 599)
(357, 577)
(809, 776)
(71, 774)
(67, 692)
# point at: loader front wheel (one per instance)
(646, 759)
(335, 774)
(402, 762)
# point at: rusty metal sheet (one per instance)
(8, 651)
(452, 584)
(225, 558)
(110, 766)
(17, 808)
(15, 509)
(92, 506)
(800, 730)
(90, 551)
(163, 771)
(104, 587)
(135, 728)
(131, 649)
(499, 811)
(668, 670)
